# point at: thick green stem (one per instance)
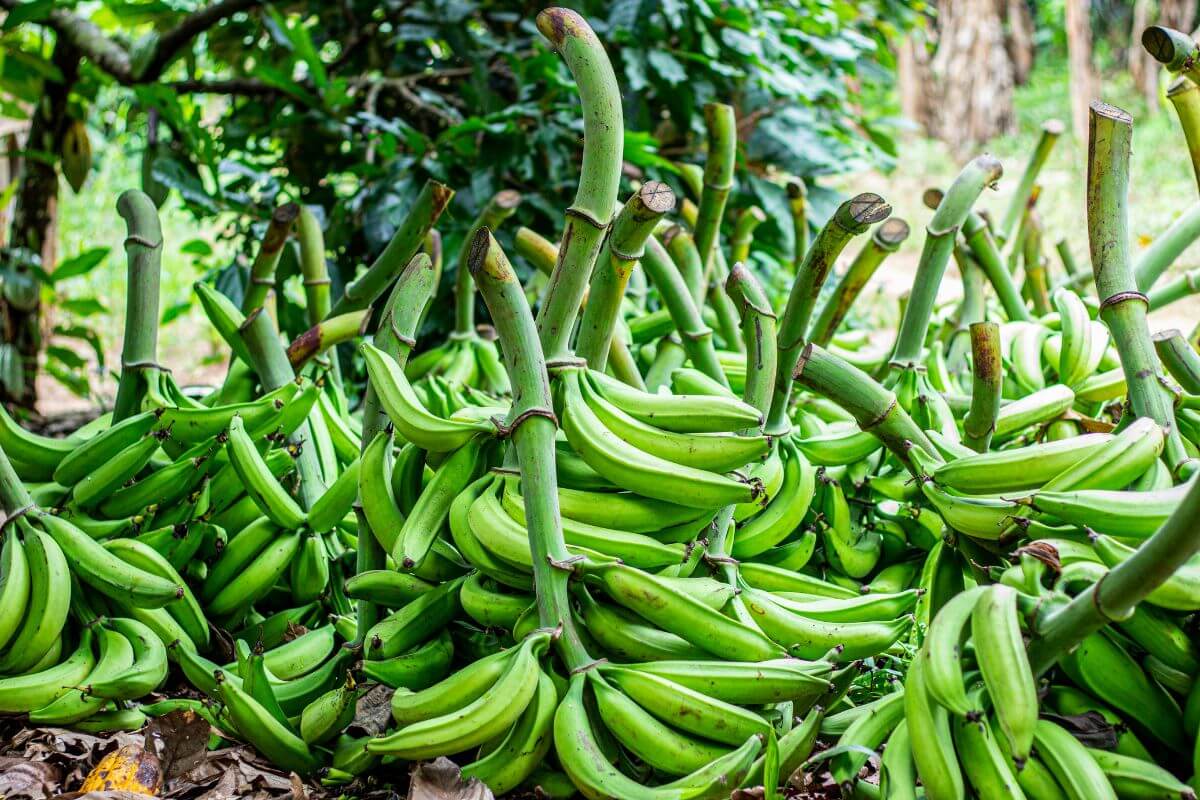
(1122, 306)
(532, 428)
(1115, 595)
(405, 243)
(262, 271)
(873, 407)
(589, 215)
(270, 362)
(987, 372)
(758, 328)
(326, 334)
(695, 335)
(852, 218)
(1173, 49)
(721, 124)
(313, 268)
(1180, 359)
(1176, 289)
(743, 233)
(143, 247)
(885, 240)
(940, 235)
(540, 252)
(1051, 130)
(1185, 98)
(987, 255)
(502, 206)
(797, 202)
(682, 247)
(1167, 246)
(728, 323)
(618, 258)
(398, 324)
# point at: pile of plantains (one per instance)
(685, 530)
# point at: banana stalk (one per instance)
(1074, 276)
(987, 371)
(502, 206)
(885, 240)
(1180, 359)
(987, 255)
(532, 428)
(682, 247)
(14, 497)
(873, 407)
(1121, 589)
(1164, 294)
(1173, 49)
(939, 242)
(1167, 247)
(721, 125)
(852, 218)
(1122, 305)
(1036, 283)
(589, 215)
(405, 242)
(1185, 98)
(313, 268)
(695, 336)
(1051, 130)
(619, 256)
(409, 299)
(262, 271)
(743, 233)
(797, 192)
(758, 328)
(139, 354)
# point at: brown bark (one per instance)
(35, 210)
(1020, 39)
(1079, 58)
(974, 74)
(915, 80)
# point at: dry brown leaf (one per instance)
(442, 780)
(20, 777)
(180, 740)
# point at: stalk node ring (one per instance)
(14, 516)
(588, 667)
(506, 430)
(134, 238)
(1120, 297)
(579, 213)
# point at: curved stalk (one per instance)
(532, 429)
(1115, 595)
(669, 356)
(852, 218)
(540, 252)
(1122, 307)
(325, 334)
(622, 363)
(695, 335)
(743, 233)
(1051, 130)
(590, 213)
(432, 247)
(758, 328)
(721, 125)
(1185, 99)
(987, 373)
(1067, 259)
(14, 497)
(405, 243)
(410, 298)
(313, 268)
(618, 258)
(499, 208)
(1176, 289)
(1166, 247)
(873, 407)
(1180, 359)
(262, 271)
(270, 362)
(940, 235)
(143, 248)
(987, 255)
(1173, 49)
(885, 240)
(797, 202)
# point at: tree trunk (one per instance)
(1020, 39)
(915, 80)
(1079, 57)
(34, 214)
(974, 74)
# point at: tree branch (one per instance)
(191, 26)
